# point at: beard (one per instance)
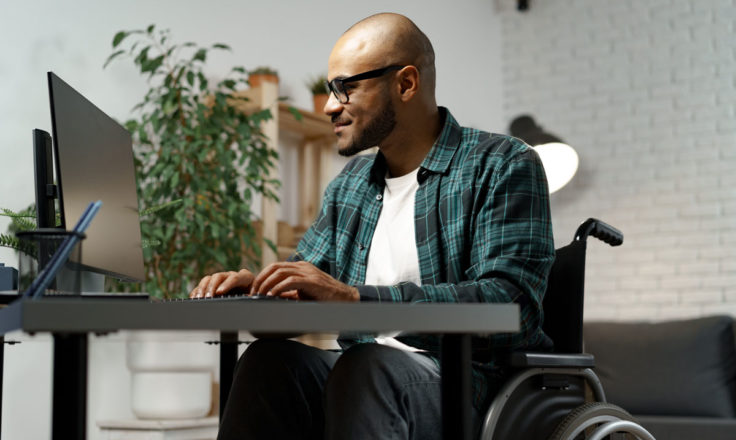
(376, 131)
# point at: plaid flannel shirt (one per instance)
(483, 234)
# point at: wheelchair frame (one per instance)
(564, 324)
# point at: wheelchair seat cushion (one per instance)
(675, 368)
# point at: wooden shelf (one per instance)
(311, 126)
(314, 158)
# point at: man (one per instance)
(442, 213)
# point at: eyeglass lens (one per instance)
(336, 86)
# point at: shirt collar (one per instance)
(439, 157)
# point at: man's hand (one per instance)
(302, 280)
(222, 282)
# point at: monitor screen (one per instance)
(94, 161)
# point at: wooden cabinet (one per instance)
(315, 156)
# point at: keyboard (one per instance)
(238, 297)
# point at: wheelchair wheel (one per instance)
(583, 421)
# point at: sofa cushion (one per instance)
(688, 428)
(680, 368)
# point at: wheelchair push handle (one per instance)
(600, 230)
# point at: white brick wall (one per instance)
(645, 91)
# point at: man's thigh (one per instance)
(277, 392)
(375, 391)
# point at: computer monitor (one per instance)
(94, 161)
(43, 167)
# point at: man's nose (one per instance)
(332, 105)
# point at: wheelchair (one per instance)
(556, 395)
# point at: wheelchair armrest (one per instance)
(525, 359)
(600, 230)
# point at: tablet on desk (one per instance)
(102, 295)
(8, 296)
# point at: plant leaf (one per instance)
(118, 38)
(142, 57)
(297, 114)
(146, 243)
(112, 57)
(229, 83)
(200, 55)
(158, 208)
(152, 65)
(9, 241)
(8, 213)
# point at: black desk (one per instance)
(70, 320)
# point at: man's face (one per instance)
(365, 129)
(368, 117)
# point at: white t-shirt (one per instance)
(393, 254)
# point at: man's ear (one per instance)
(408, 83)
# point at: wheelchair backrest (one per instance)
(563, 300)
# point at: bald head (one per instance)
(390, 39)
(394, 109)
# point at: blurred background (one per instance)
(644, 92)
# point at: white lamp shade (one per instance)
(560, 163)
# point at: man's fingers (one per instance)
(254, 288)
(221, 282)
(245, 277)
(215, 281)
(274, 278)
(225, 284)
(290, 286)
(242, 278)
(290, 294)
(198, 291)
(262, 281)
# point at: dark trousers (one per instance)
(287, 390)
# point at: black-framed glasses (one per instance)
(337, 85)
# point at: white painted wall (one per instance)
(73, 40)
(645, 91)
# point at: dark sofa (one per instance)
(678, 378)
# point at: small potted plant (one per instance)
(262, 74)
(320, 94)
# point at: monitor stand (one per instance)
(89, 282)
(92, 282)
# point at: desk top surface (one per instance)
(77, 315)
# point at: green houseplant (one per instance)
(318, 86)
(262, 74)
(193, 145)
(24, 220)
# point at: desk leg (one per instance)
(456, 373)
(228, 359)
(69, 410)
(2, 363)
